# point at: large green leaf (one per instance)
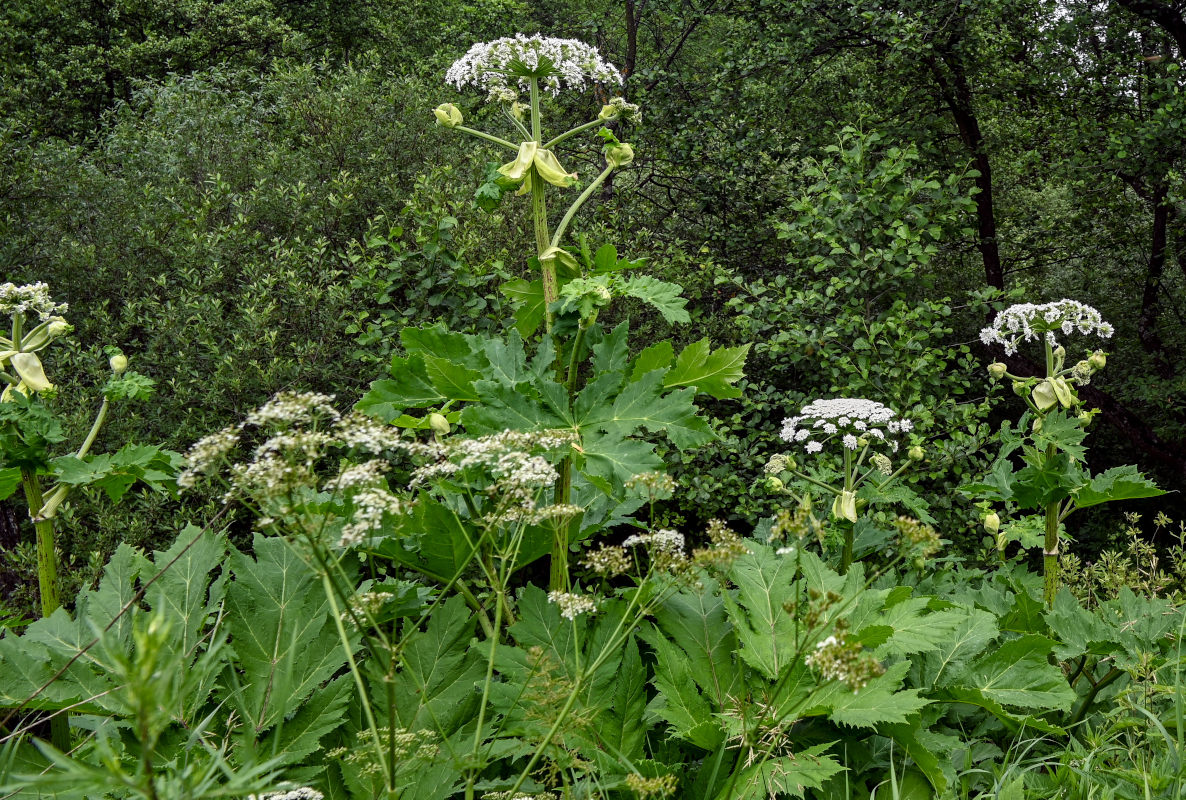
(698, 623)
(408, 387)
(679, 702)
(1118, 483)
(437, 687)
(712, 373)
(528, 298)
(281, 629)
(10, 481)
(765, 631)
(1018, 673)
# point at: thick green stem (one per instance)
(1050, 544)
(1089, 698)
(47, 582)
(849, 527)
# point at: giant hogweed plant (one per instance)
(1050, 434)
(29, 430)
(581, 378)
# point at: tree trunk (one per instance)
(1150, 295)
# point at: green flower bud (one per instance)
(1037, 426)
(916, 453)
(438, 423)
(32, 374)
(118, 363)
(619, 155)
(448, 115)
(992, 523)
(996, 370)
(1097, 360)
(58, 327)
(1060, 357)
(1019, 388)
(1044, 396)
(845, 506)
(774, 484)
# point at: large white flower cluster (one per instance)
(849, 418)
(32, 298)
(559, 63)
(1026, 321)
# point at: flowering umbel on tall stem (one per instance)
(1054, 404)
(506, 69)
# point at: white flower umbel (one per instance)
(556, 63)
(1028, 321)
(852, 419)
(573, 605)
(31, 298)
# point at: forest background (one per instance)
(250, 196)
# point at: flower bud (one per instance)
(438, 423)
(845, 506)
(1019, 388)
(58, 327)
(118, 363)
(619, 155)
(448, 115)
(1097, 360)
(774, 484)
(916, 453)
(609, 112)
(992, 523)
(996, 370)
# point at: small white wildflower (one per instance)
(668, 541)
(206, 453)
(368, 473)
(365, 433)
(294, 408)
(572, 605)
(304, 793)
(370, 506)
(849, 441)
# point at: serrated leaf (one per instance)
(656, 357)
(640, 405)
(665, 297)
(1018, 673)
(409, 387)
(612, 351)
(436, 688)
(711, 372)
(679, 702)
(279, 621)
(1064, 432)
(1118, 483)
(624, 728)
(879, 701)
(967, 640)
(295, 739)
(765, 631)
(528, 298)
(786, 775)
(615, 459)
(698, 624)
(454, 381)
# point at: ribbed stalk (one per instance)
(47, 582)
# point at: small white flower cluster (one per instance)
(573, 605)
(368, 473)
(853, 419)
(366, 433)
(561, 63)
(294, 408)
(838, 659)
(665, 541)
(1027, 321)
(303, 793)
(506, 456)
(206, 453)
(370, 506)
(32, 298)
